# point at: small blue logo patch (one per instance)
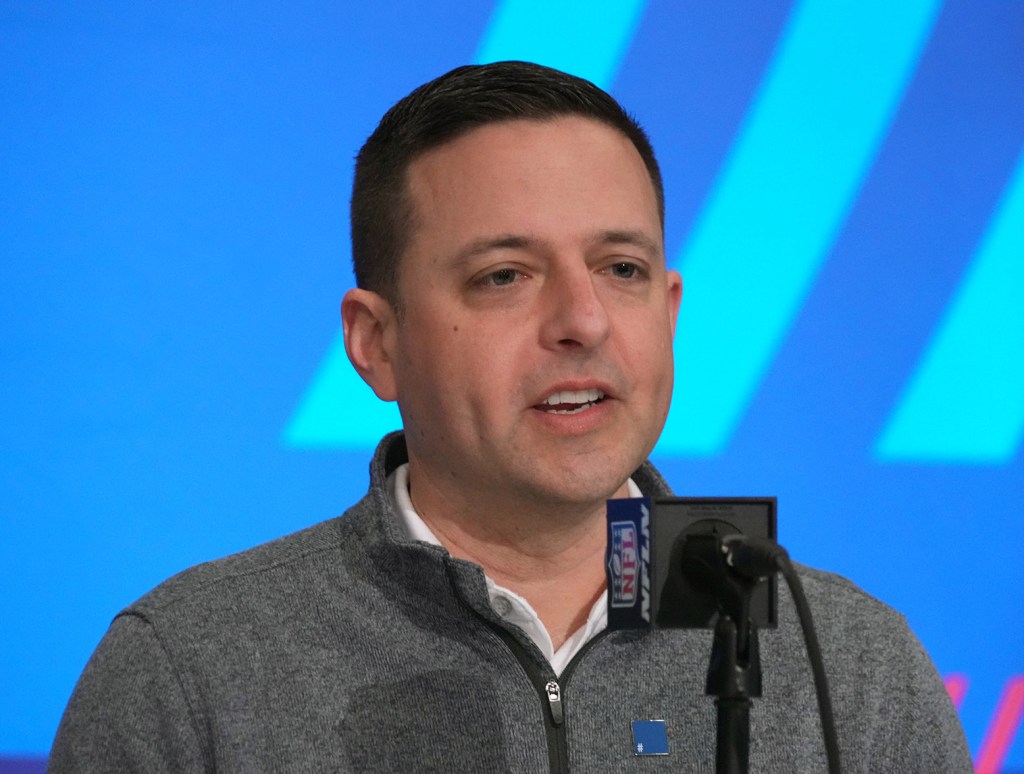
(650, 737)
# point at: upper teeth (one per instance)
(574, 396)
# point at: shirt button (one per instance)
(502, 606)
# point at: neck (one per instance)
(552, 555)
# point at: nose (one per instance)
(575, 316)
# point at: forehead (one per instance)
(562, 176)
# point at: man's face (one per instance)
(533, 356)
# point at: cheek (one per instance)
(652, 363)
(650, 340)
(449, 368)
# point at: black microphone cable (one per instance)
(758, 558)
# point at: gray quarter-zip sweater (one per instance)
(345, 647)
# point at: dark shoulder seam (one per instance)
(192, 714)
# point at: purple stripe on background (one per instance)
(22, 765)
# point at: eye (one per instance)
(624, 270)
(501, 277)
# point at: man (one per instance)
(513, 298)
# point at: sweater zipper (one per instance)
(552, 694)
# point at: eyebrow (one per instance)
(486, 244)
(628, 237)
(632, 237)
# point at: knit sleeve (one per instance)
(128, 712)
(919, 731)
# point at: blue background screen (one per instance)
(845, 200)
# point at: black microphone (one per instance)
(753, 558)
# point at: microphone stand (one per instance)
(734, 677)
(734, 671)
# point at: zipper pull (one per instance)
(555, 702)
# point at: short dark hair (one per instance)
(442, 110)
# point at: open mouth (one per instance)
(570, 401)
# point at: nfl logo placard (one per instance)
(627, 563)
(623, 564)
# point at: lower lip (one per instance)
(578, 423)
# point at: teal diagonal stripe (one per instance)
(796, 167)
(965, 402)
(587, 39)
(338, 409)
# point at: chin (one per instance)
(584, 487)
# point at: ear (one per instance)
(675, 297)
(370, 324)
